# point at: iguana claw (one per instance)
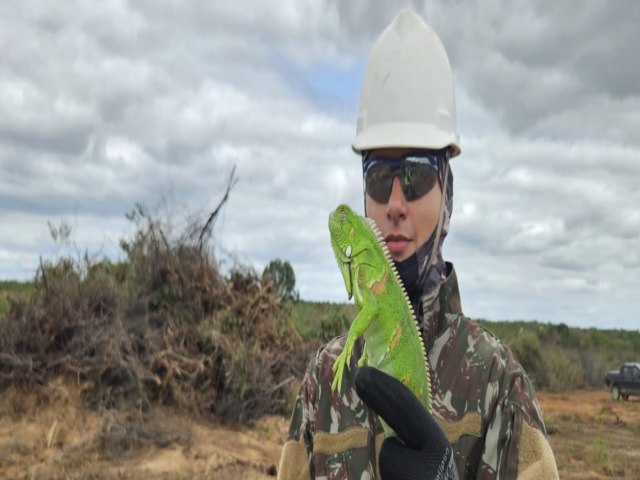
(341, 362)
(338, 369)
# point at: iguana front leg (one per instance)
(360, 324)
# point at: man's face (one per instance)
(405, 225)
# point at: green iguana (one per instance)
(385, 318)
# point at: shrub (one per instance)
(564, 371)
(164, 327)
(528, 351)
(333, 323)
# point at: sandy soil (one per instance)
(592, 436)
(49, 437)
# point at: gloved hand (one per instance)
(425, 452)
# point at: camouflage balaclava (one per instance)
(419, 275)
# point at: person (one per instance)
(485, 421)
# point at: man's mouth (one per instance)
(397, 243)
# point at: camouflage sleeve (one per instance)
(296, 453)
(487, 406)
(515, 444)
(330, 436)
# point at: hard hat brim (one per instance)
(405, 135)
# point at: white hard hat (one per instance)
(407, 97)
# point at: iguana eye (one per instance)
(347, 251)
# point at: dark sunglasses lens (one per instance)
(416, 180)
(378, 181)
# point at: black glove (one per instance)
(424, 451)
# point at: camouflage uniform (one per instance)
(482, 400)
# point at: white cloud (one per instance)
(105, 105)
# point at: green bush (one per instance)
(565, 371)
(571, 357)
(332, 324)
(321, 320)
(528, 351)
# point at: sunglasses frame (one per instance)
(431, 159)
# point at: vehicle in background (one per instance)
(624, 382)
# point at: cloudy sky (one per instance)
(104, 104)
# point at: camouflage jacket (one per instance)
(482, 400)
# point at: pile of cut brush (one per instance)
(164, 327)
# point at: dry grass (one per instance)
(50, 435)
(163, 329)
(592, 436)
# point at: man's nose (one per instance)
(397, 204)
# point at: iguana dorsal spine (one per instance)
(385, 317)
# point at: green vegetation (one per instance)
(321, 320)
(10, 289)
(599, 455)
(281, 274)
(558, 357)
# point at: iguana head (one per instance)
(351, 235)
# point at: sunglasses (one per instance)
(417, 172)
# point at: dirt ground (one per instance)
(49, 437)
(592, 436)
